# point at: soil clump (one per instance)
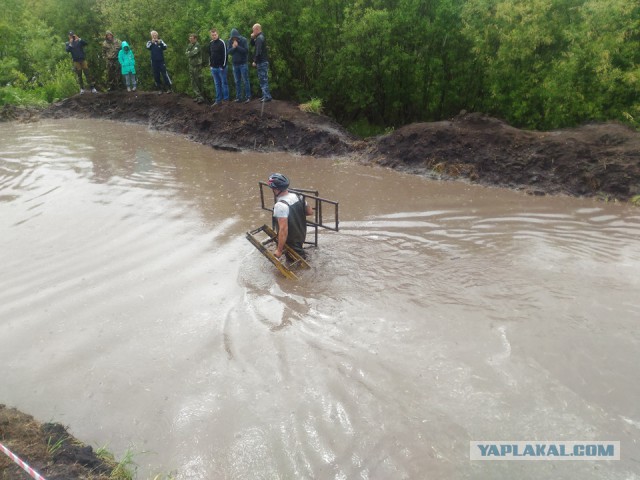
(600, 159)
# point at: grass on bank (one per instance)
(312, 106)
(126, 468)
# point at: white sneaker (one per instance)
(93, 90)
(81, 91)
(128, 89)
(134, 89)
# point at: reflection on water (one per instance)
(133, 310)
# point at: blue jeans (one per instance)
(241, 74)
(220, 79)
(263, 79)
(130, 80)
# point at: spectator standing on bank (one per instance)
(156, 47)
(218, 64)
(75, 46)
(128, 66)
(110, 50)
(238, 48)
(194, 56)
(261, 60)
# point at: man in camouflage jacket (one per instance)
(110, 48)
(194, 55)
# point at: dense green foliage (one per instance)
(536, 63)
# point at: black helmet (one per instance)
(279, 181)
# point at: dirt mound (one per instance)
(47, 448)
(274, 126)
(598, 159)
(593, 160)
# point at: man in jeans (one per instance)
(261, 60)
(238, 48)
(218, 64)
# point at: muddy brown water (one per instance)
(134, 311)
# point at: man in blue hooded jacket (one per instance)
(238, 48)
(156, 47)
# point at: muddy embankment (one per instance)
(593, 160)
(49, 449)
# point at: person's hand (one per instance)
(278, 253)
(253, 64)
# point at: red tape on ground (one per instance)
(22, 465)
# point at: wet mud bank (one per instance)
(49, 449)
(276, 126)
(593, 160)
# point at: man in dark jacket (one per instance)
(261, 60)
(75, 46)
(156, 47)
(238, 48)
(218, 64)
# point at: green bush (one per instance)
(16, 96)
(363, 129)
(62, 83)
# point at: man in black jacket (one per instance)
(261, 60)
(75, 46)
(218, 64)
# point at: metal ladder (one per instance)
(296, 261)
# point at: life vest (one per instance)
(297, 224)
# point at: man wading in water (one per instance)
(290, 211)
